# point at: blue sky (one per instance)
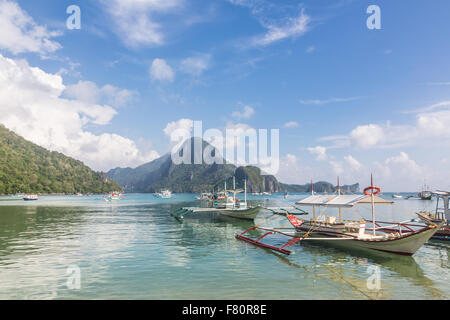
(348, 100)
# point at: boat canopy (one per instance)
(341, 201)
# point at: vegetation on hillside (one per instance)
(26, 167)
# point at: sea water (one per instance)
(82, 247)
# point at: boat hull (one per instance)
(246, 214)
(408, 244)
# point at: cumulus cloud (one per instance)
(161, 71)
(175, 128)
(19, 33)
(196, 64)
(88, 91)
(246, 113)
(31, 104)
(319, 151)
(352, 162)
(431, 124)
(135, 21)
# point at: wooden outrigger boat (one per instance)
(403, 238)
(225, 205)
(441, 215)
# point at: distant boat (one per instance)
(113, 196)
(204, 197)
(396, 196)
(266, 194)
(425, 194)
(225, 205)
(164, 194)
(442, 214)
(30, 197)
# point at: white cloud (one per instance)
(431, 125)
(293, 171)
(354, 164)
(174, 128)
(319, 151)
(19, 33)
(89, 92)
(367, 136)
(135, 19)
(161, 71)
(291, 124)
(31, 105)
(327, 101)
(291, 28)
(196, 65)
(246, 113)
(288, 26)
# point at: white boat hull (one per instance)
(247, 214)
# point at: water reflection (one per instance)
(135, 249)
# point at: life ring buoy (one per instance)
(374, 191)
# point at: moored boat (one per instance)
(403, 238)
(441, 215)
(164, 194)
(225, 205)
(113, 196)
(30, 197)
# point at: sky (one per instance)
(348, 100)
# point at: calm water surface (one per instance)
(134, 249)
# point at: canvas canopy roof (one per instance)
(340, 200)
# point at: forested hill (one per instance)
(26, 167)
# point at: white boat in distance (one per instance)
(30, 197)
(403, 238)
(164, 194)
(113, 196)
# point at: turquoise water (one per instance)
(134, 249)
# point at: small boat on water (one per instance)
(441, 215)
(403, 238)
(164, 194)
(425, 194)
(30, 197)
(206, 196)
(113, 196)
(396, 196)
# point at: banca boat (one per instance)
(403, 238)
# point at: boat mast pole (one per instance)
(373, 205)
(245, 189)
(339, 193)
(234, 191)
(312, 193)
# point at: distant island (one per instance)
(28, 168)
(162, 173)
